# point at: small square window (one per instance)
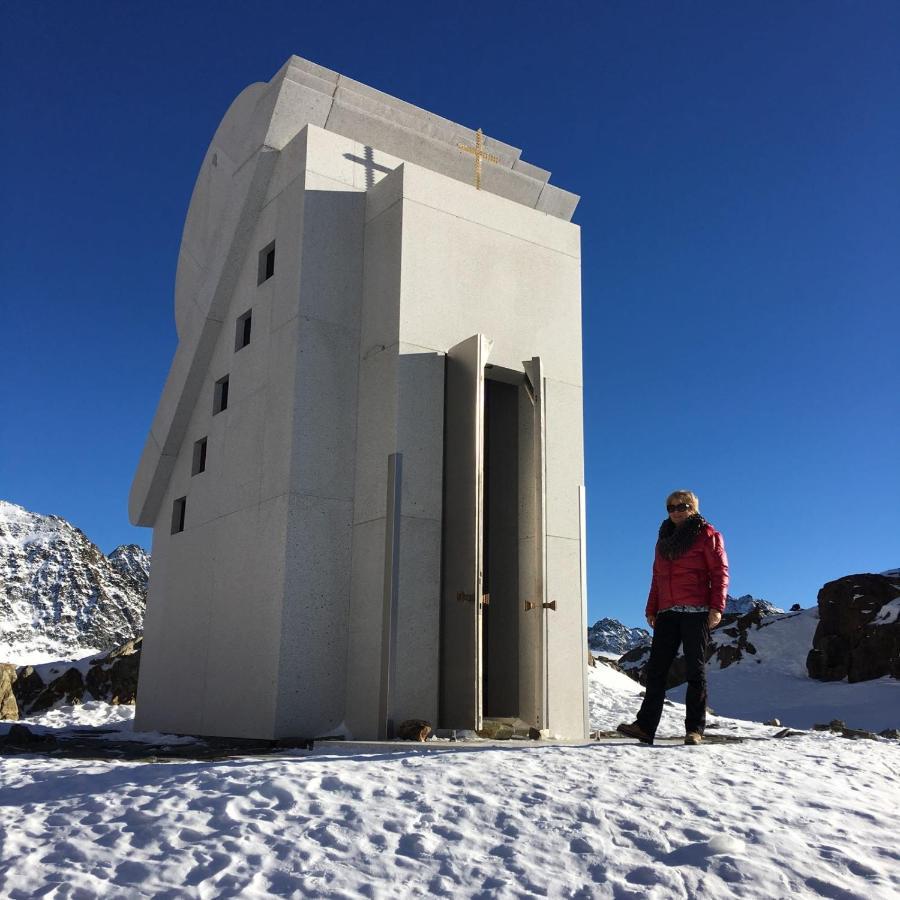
(242, 330)
(266, 263)
(220, 398)
(199, 463)
(178, 508)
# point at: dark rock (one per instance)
(890, 733)
(853, 640)
(795, 608)
(856, 733)
(21, 737)
(728, 654)
(836, 725)
(68, 688)
(114, 677)
(9, 709)
(414, 730)
(29, 686)
(787, 732)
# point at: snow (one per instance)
(806, 816)
(889, 613)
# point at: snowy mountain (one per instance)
(740, 606)
(611, 636)
(60, 597)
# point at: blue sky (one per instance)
(739, 168)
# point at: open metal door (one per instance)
(533, 549)
(462, 599)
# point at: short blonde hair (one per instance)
(684, 497)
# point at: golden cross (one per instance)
(479, 153)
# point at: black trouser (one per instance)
(691, 629)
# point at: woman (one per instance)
(687, 598)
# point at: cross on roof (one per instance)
(479, 153)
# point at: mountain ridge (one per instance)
(60, 595)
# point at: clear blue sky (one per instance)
(739, 168)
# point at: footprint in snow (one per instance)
(130, 872)
(695, 854)
(580, 845)
(448, 834)
(416, 846)
(336, 785)
(324, 836)
(207, 867)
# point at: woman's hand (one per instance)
(714, 618)
(651, 621)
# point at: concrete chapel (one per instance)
(365, 472)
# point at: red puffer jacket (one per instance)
(699, 577)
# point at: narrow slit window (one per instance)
(178, 509)
(266, 263)
(199, 463)
(242, 330)
(220, 399)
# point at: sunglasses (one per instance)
(677, 507)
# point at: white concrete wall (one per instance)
(211, 649)
(312, 677)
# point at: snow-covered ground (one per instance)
(810, 816)
(774, 683)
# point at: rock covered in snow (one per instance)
(59, 595)
(611, 636)
(133, 562)
(111, 677)
(858, 636)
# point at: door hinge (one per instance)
(550, 605)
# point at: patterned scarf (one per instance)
(675, 540)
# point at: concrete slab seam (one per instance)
(517, 237)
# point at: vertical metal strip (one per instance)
(390, 598)
(582, 552)
(540, 385)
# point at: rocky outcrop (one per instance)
(858, 636)
(9, 708)
(111, 678)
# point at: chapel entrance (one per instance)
(493, 661)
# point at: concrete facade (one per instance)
(266, 610)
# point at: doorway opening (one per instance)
(500, 545)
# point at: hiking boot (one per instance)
(693, 737)
(634, 730)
